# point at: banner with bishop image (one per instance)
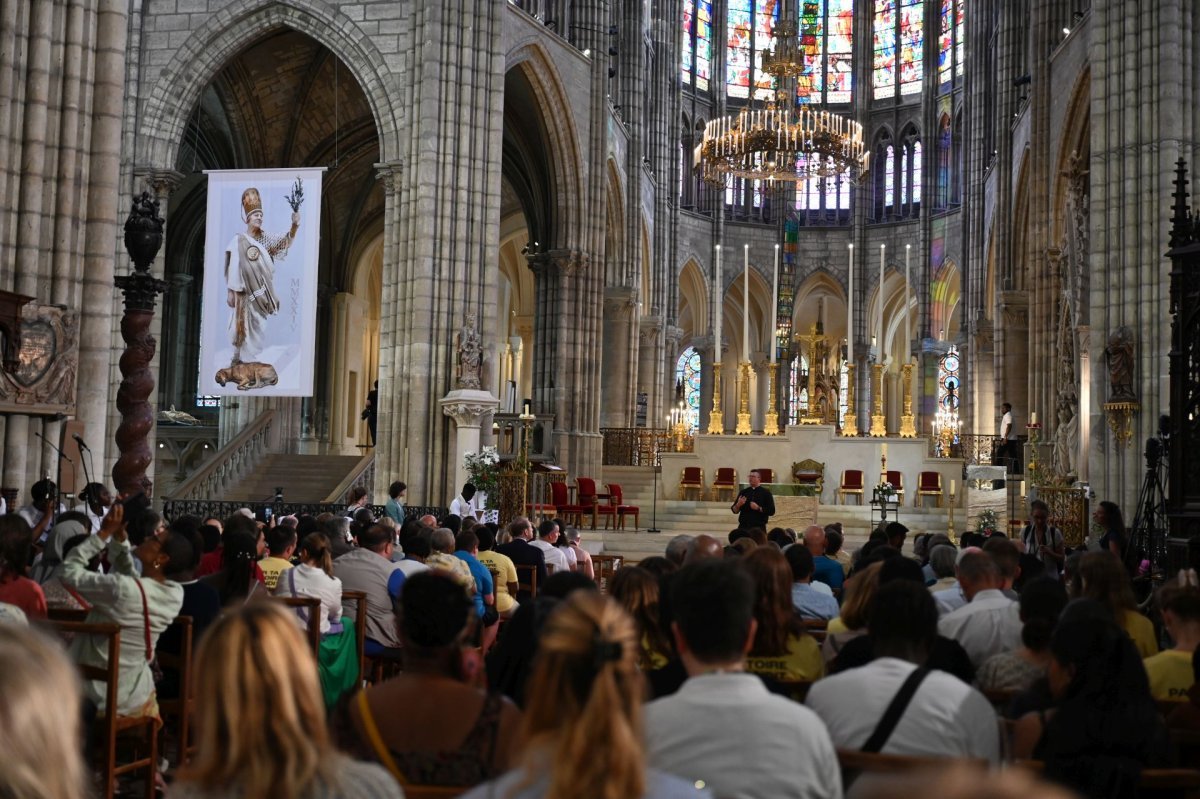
(258, 319)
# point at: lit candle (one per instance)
(718, 283)
(907, 330)
(774, 305)
(746, 305)
(1033, 418)
(850, 309)
(1022, 492)
(953, 485)
(879, 295)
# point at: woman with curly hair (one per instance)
(583, 726)
(637, 590)
(782, 649)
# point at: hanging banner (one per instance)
(258, 318)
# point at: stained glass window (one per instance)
(827, 35)
(898, 41)
(687, 374)
(914, 191)
(889, 177)
(749, 24)
(950, 41)
(696, 58)
(949, 381)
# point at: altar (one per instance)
(909, 456)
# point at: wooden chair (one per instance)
(604, 567)
(587, 499)
(312, 607)
(725, 480)
(809, 472)
(359, 598)
(617, 497)
(929, 484)
(1174, 782)
(527, 578)
(433, 791)
(109, 725)
(607, 510)
(766, 475)
(179, 709)
(66, 614)
(852, 483)
(817, 628)
(896, 478)
(558, 494)
(692, 479)
(879, 763)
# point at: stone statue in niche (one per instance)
(470, 354)
(1119, 354)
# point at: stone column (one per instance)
(620, 304)
(468, 408)
(650, 331)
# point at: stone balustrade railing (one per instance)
(232, 463)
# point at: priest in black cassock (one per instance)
(754, 504)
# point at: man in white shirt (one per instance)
(548, 534)
(41, 512)
(723, 727)
(945, 717)
(463, 506)
(951, 598)
(1008, 438)
(990, 622)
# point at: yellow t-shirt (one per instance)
(801, 662)
(506, 572)
(1141, 630)
(1170, 674)
(836, 625)
(272, 568)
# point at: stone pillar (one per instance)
(468, 408)
(649, 348)
(620, 304)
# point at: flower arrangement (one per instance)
(482, 469)
(885, 490)
(987, 521)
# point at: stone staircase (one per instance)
(691, 517)
(304, 478)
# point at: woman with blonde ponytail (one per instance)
(582, 728)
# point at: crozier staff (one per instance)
(754, 504)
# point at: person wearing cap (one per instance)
(250, 277)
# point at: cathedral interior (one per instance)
(539, 177)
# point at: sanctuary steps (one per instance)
(305, 478)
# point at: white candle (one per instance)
(775, 304)
(907, 330)
(879, 294)
(717, 303)
(850, 309)
(883, 452)
(953, 485)
(746, 305)
(1033, 418)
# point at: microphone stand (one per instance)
(87, 474)
(62, 456)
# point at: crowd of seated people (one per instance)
(734, 668)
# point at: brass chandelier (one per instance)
(782, 142)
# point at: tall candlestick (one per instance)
(850, 309)
(746, 305)
(774, 305)
(907, 330)
(718, 283)
(879, 295)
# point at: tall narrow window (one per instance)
(898, 63)
(826, 36)
(915, 187)
(696, 53)
(687, 374)
(798, 389)
(889, 177)
(748, 28)
(943, 162)
(950, 42)
(843, 391)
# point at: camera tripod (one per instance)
(1148, 534)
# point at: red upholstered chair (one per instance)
(725, 480)
(896, 478)
(608, 510)
(558, 496)
(852, 483)
(767, 475)
(617, 498)
(929, 484)
(585, 488)
(692, 479)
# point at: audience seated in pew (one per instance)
(1170, 671)
(238, 577)
(989, 623)
(1013, 670)
(637, 592)
(16, 546)
(806, 599)
(1102, 577)
(783, 648)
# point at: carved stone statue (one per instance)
(1119, 354)
(1066, 436)
(470, 354)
